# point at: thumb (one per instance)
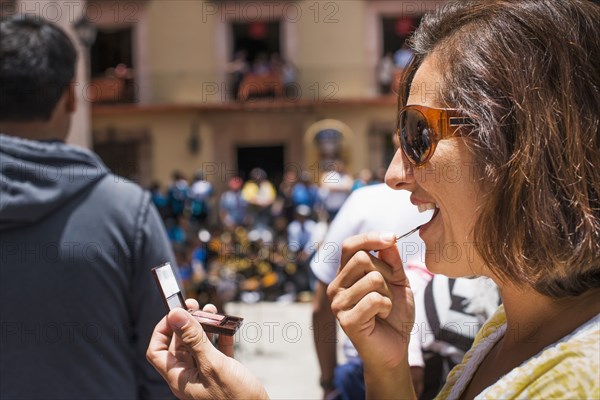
(189, 331)
(391, 256)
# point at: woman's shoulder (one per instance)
(461, 374)
(569, 368)
(493, 327)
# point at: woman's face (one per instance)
(448, 182)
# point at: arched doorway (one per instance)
(326, 142)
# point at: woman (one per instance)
(506, 95)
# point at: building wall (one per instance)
(168, 135)
(190, 44)
(222, 131)
(331, 54)
(182, 48)
(181, 51)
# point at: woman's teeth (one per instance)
(427, 206)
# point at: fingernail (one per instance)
(178, 318)
(387, 236)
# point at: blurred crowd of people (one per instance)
(254, 240)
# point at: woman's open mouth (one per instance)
(425, 207)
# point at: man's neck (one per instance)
(32, 131)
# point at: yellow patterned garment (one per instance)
(568, 369)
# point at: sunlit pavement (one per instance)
(276, 343)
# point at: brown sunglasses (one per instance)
(420, 128)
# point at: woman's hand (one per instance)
(372, 299)
(184, 355)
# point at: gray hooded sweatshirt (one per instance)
(78, 302)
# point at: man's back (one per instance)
(77, 299)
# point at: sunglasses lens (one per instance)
(415, 136)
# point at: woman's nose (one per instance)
(400, 174)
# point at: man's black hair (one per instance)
(37, 63)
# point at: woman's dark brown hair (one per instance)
(528, 71)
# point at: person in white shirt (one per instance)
(448, 314)
(441, 304)
(200, 193)
(367, 209)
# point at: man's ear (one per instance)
(71, 104)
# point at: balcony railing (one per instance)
(111, 90)
(326, 85)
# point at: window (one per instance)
(121, 157)
(111, 59)
(396, 30)
(256, 39)
(112, 47)
(269, 158)
(126, 151)
(257, 66)
(396, 55)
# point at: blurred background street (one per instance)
(276, 343)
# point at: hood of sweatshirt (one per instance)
(37, 178)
